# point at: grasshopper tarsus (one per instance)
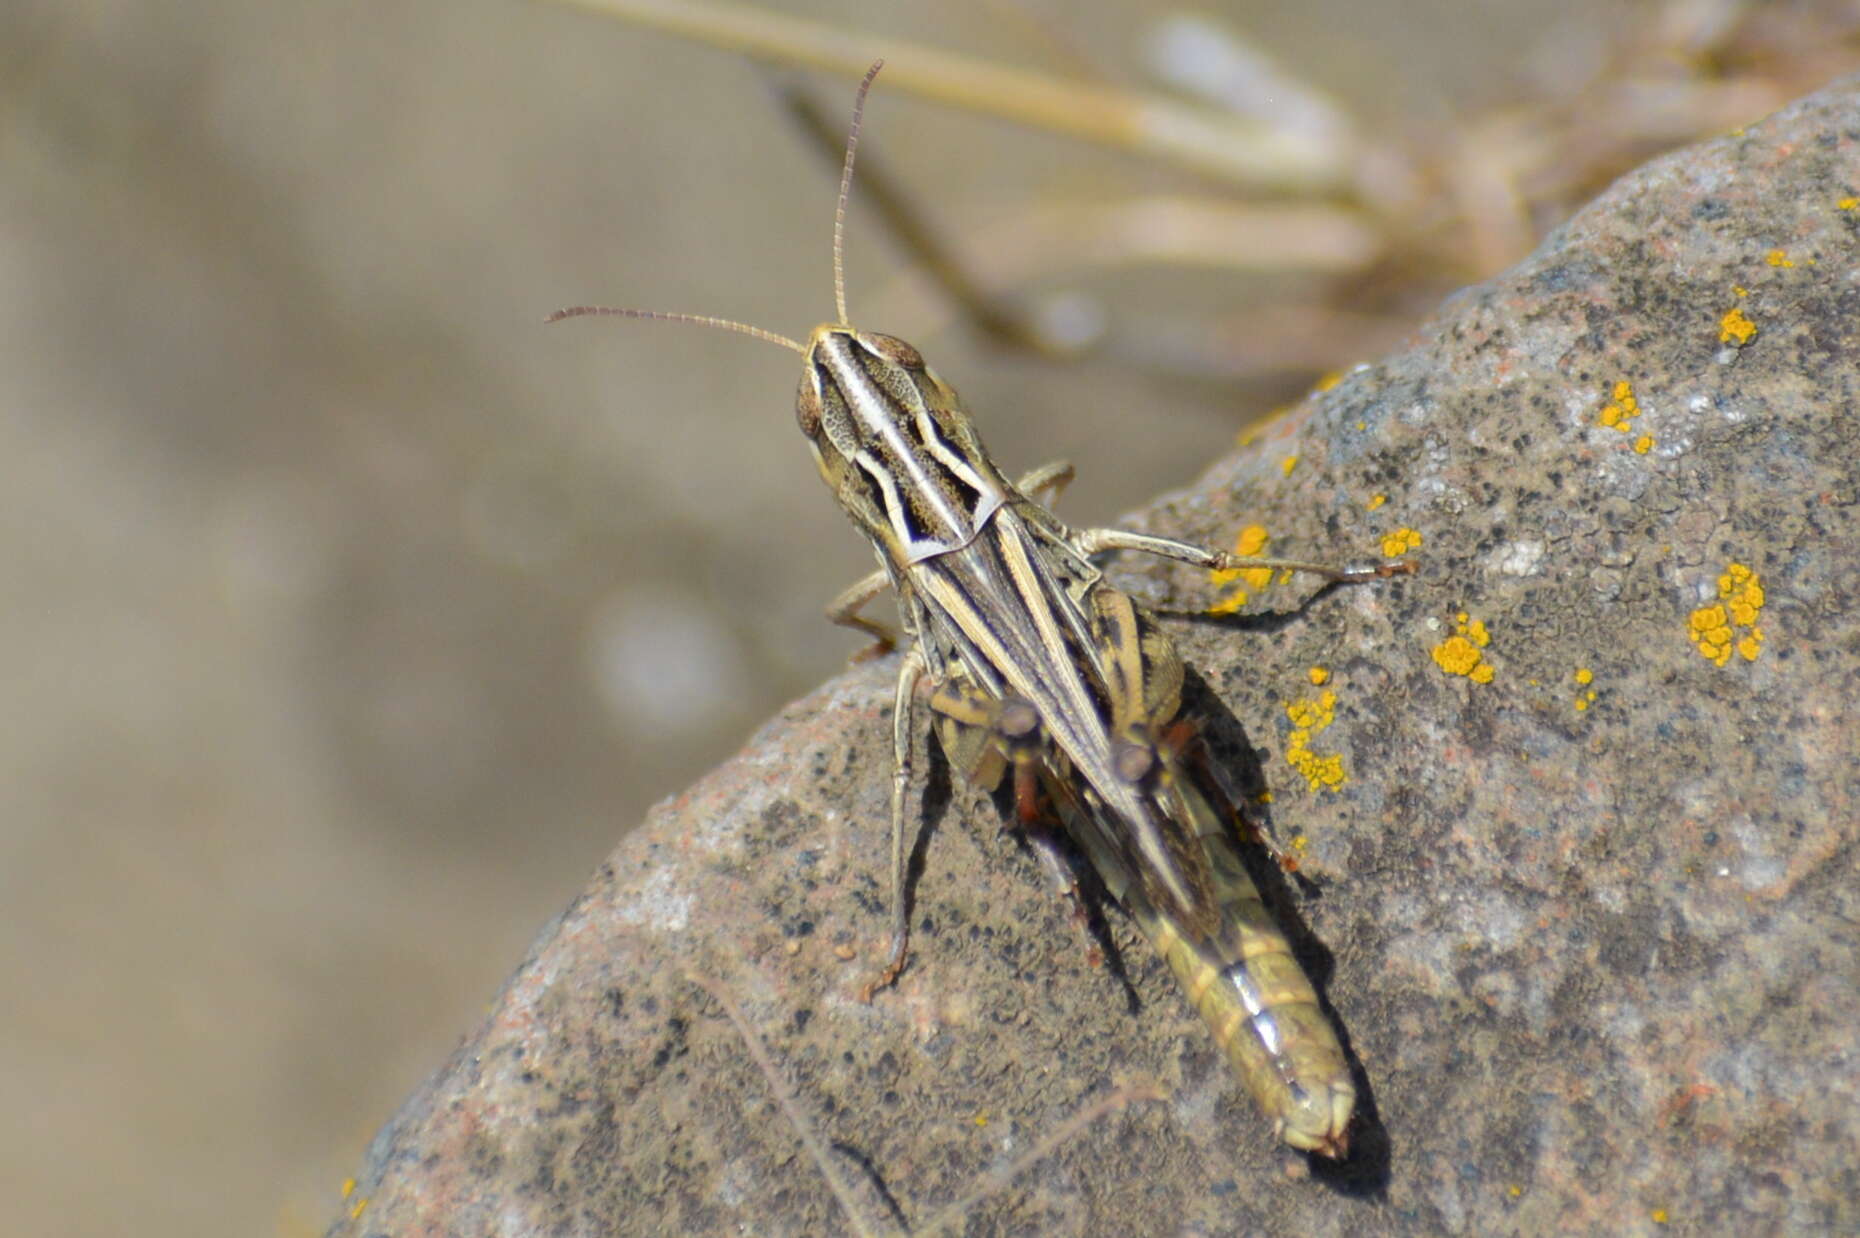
(879, 647)
(894, 967)
(1375, 571)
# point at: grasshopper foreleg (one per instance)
(909, 672)
(844, 611)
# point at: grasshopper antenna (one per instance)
(697, 320)
(839, 256)
(839, 211)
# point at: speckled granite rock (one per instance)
(1587, 918)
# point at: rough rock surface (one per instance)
(1591, 937)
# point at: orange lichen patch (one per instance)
(1736, 328)
(1249, 543)
(1320, 675)
(1730, 623)
(1777, 258)
(1400, 542)
(1375, 501)
(1584, 677)
(1309, 716)
(1643, 444)
(1620, 409)
(1232, 604)
(1459, 654)
(1288, 464)
(1707, 628)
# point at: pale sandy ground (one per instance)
(351, 615)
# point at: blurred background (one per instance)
(352, 616)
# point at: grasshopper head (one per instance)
(894, 444)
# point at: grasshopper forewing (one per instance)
(1036, 664)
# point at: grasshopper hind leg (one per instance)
(989, 741)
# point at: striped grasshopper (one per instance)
(1035, 664)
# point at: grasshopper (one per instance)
(1035, 664)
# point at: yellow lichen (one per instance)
(1375, 501)
(1460, 653)
(1730, 623)
(1643, 444)
(1327, 382)
(1777, 258)
(1584, 676)
(1400, 542)
(1457, 655)
(1620, 407)
(1288, 464)
(1736, 328)
(1320, 676)
(1848, 204)
(1229, 605)
(1310, 715)
(1249, 543)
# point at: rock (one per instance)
(1585, 890)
